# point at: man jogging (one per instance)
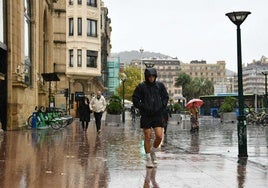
(151, 98)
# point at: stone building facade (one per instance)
(35, 59)
(167, 72)
(87, 47)
(216, 73)
(213, 72)
(169, 69)
(26, 53)
(254, 76)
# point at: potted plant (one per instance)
(114, 105)
(114, 109)
(227, 110)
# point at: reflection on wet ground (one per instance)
(115, 158)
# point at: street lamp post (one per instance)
(265, 99)
(256, 90)
(123, 79)
(238, 18)
(141, 51)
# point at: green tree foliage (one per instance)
(132, 80)
(183, 80)
(228, 104)
(202, 86)
(115, 105)
(194, 88)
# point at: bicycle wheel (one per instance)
(29, 120)
(264, 121)
(55, 125)
(64, 123)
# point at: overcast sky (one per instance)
(190, 29)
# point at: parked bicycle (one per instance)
(43, 118)
(35, 113)
(255, 118)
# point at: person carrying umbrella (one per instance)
(194, 112)
(193, 108)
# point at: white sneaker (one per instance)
(153, 156)
(149, 163)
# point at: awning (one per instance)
(50, 77)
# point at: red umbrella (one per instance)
(196, 102)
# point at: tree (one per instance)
(202, 87)
(194, 88)
(183, 80)
(132, 80)
(228, 104)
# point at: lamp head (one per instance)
(265, 73)
(238, 17)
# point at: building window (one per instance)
(91, 28)
(71, 26)
(79, 58)
(92, 3)
(79, 26)
(92, 58)
(71, 58)
(71, 2)
(79, 2)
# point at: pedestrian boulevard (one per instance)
(115, 157)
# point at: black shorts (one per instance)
(151, 121)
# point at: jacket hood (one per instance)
(150, 72)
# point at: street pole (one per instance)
(242, 131)
(123, 114)
(256, 91)
(141, 51)
(265, 92)
(265, 99)
(237, 18)
(123, 79)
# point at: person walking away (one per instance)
(194, 113)
(133, 113)
(84, 113)
(98, 105)
(151, 98)
(166, 115)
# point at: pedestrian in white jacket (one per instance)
(98, 105)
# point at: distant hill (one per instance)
(128, 56)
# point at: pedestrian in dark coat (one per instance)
(151, 98)
(166, 115)
(133, 113)
(84, 113)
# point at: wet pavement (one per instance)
(115, 158)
